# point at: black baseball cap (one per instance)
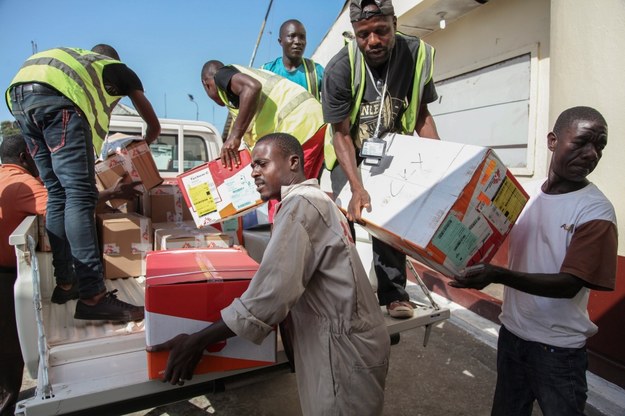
(356, 13)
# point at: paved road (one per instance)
(453, 375)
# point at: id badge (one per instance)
(373, 148)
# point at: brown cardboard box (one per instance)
(129, 156)
(167, 204)
(169, 235)
(125, 240)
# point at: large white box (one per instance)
(447, 205)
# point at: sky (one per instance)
(165, 42)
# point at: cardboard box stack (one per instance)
(447, 205)
(185, 291)
(172, 235)
(214, 193)
(128, 157)
(125, 241)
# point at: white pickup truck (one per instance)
(101, 367)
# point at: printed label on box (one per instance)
(111, 249)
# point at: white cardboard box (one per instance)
(172, 235)
(447, 205)
(214, 193)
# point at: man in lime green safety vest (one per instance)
(260, 103)
(292, 65)
(62, 99)
(381, 82)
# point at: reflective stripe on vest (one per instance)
(286, 97)
(77, 75)
(424, 70)
(311, 77)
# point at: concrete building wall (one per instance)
(587, 61)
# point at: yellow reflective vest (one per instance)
(284, 106)
(311, 77)
(76, 74)
(423, 71)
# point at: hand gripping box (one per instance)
(214, 193)
(185, 292)
(447, 205)
(127, 157)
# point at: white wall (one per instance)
(496, 31)
(587, 69)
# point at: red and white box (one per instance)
(214, 193)
(185, 291)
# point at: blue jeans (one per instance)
(528, 371)
(59, 139)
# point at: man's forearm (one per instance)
(551, 285)
(213, 334)
(425, 126)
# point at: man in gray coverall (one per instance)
(312, 276)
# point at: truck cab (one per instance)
(182, 144)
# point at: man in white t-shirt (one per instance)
(563, 245)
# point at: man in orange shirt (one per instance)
(21, 194)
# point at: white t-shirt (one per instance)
(538, 244)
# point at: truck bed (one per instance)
(91, 364)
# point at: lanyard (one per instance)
(388, 66)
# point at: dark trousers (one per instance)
(389, 264)
(11, 362)
(528, 371)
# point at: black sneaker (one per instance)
(109, 309)
(61, 296)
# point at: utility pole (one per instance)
(260, 34)
(197, 107)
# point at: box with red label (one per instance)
(447, 205)
(170, 235)
(185, 291)
(167, 204)
(126, 157)
(125, 240)
(214, 193)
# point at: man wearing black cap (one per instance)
(379, 83)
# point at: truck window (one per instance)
(165, 151)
